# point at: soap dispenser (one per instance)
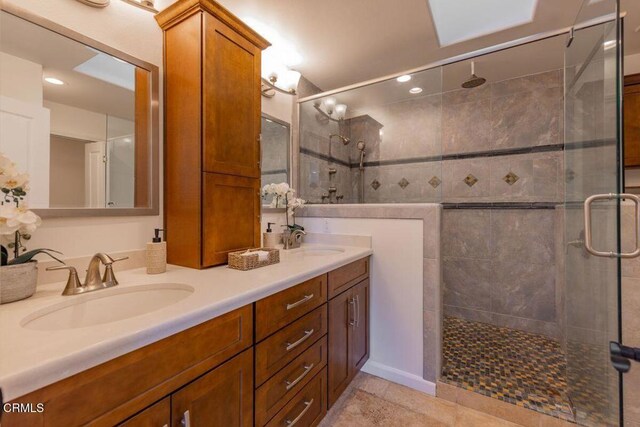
(269, 238)
(157, 254)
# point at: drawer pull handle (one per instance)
(307, 334)
(302, 301)
(293, 422)
(352, 303)
(186, 419)
(292, 384)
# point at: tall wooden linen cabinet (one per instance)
(212, 133)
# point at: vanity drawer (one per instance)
(308, 407)
(279, 349)
(345, 277)
(279, 389)
(277, 311)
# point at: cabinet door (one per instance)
(231, 216)
(157, 415)
(341, 319)
(231, 101)
(359, 339)
(223, 397)
(632, 123)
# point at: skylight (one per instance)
(109, 69)
(460, 20)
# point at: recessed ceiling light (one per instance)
(415, 90)
(53, 81)
(404, 78)
(455, 24)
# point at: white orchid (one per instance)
(11, 182)
(295, 204)
(17, 222)
(8, 224)
(7, 167)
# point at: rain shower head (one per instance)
(344, 139)
(473, 81)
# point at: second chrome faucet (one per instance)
(93, 281)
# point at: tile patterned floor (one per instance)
(524, 369)
(372, 401)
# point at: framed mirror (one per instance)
(80, 118)
(276, 162)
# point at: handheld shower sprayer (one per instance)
(361, 146)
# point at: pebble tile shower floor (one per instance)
(524, 369)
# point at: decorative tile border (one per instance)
(502, 205)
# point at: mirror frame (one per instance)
(266, 209)
(154, 208)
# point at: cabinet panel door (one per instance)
(341, 317)
(359, 339)
(223, 397)
(632, 125)
(158, 415)
(231, 101)
(231, 219)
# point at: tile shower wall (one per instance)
(498, 143)
(500, 265)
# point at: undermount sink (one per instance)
(105, 306)
(322, 251)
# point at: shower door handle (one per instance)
(588, 238)
(621, 355)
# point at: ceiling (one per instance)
(346, 42)
(58, 56)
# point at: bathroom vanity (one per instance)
(244, 348)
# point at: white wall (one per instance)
(20, 79)
(632, 64)
(77, 123)
(135, 32)
(396, 290)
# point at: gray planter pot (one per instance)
(18, 281)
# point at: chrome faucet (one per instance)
(292, 239)
(93, 281)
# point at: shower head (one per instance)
(344, 139)
(361, 145)
(473, 81)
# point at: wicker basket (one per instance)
(244, 263)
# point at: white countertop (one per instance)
(31, 359)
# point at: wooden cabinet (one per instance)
(222, 397)
(212, 133)
(348, 337)
(307, 352)
(632, 121)
(157, 415)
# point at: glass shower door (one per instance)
(592, 166)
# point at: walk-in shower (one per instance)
(510, 156)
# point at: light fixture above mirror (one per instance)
(95, 3)
(278, 61)
(144, 4)
(331, 109)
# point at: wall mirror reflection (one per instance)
(276, 138)
(79, 118)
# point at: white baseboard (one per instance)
(399, 377)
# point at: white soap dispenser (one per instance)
(269, 238)
(157, 254)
